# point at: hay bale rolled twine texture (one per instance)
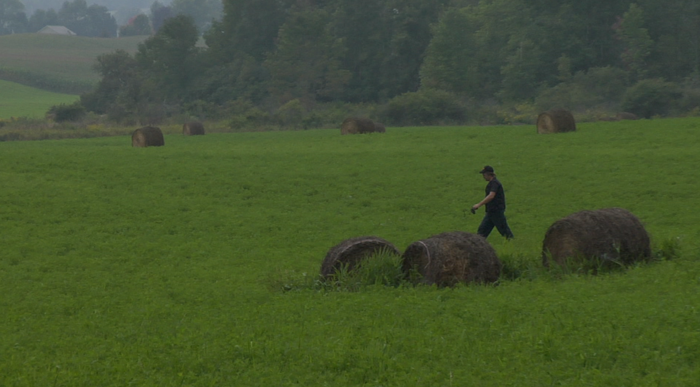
(351, 251)
(610, 234)
(193, 129)
(453, 257)
(556, 121)
(147, 136)
(357, 125)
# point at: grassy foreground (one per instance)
(22, 101)
(163, 266)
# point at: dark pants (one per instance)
(497, 219)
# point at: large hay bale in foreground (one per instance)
(612, 235)
(453, 257)
(147, 136)
(351, 251)
(556, 121)
(193, 129)
(360, 125)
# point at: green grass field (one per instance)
(56, 62)
(22, 101)
(164, 266)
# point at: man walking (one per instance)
(495, 202)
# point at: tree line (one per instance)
(412, 61)
(99, 21)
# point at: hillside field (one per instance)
(168, 265)
(57, 63)
(22, 101)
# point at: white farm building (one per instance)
(56, 30)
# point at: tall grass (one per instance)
(153, 266)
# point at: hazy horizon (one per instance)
(113, 5)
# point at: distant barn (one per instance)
(56, 30)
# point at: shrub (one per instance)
(291, 114)
(203, 110)
(65, 112)
(651, 97)
(424, 107)
(596, 88)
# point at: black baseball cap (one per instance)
(487, 169)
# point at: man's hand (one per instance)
(473, 210)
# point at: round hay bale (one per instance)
(351, 251)
(147, 136)
(193, 129)
(556, 121)
(357, 125)
(612, 235)
(379, 128)
(453, 257)
(626, 116)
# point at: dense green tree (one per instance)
(410, 22)
(159, 14)
(119, 77)
(240, 79)
(651, 97)
(248, 28)
(94, 20)
(138, 25)
(12, 17)
(42, 18)
(636, 42)
(203, 12)
(451, 60)
(306, 64)
(269, 52)
(674, 26)
(238, 45)
(364, 27)
(169, 58)
(522, 74)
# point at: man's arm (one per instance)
(487, 199)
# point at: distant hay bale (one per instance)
(360, 125)
(147, 136)
(612, 235)
(351, 251)
(626, 116)
(193, 129)
(453, 257)
(556, 121)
